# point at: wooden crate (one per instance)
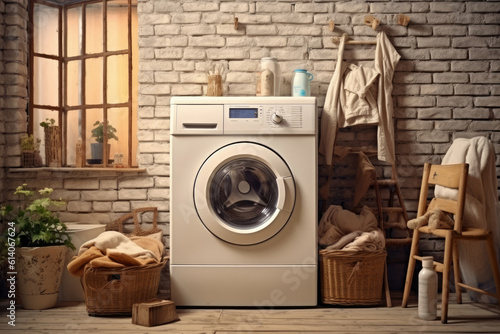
(154, 312)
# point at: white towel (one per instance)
(115, 242)
(368, 241)
(482, 209)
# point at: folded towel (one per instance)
(346, 239)
(114, 250)
(368, 241)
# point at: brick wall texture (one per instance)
(446, 86)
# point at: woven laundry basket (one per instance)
(113, 291)
(351, 277)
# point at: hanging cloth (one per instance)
(337, 112)
(331, 108)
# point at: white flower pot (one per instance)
(39, 271)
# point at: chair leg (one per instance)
(411, 267)
(456, 272)
(494, 265)
(448, 250)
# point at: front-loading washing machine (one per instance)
(243, 203)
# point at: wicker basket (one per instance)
(351, 278)
(113, 291)
(28, 158)
(110, 291)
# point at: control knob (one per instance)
(276, 118)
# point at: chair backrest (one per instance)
(449, 176)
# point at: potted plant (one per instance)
(36, 243)
(96, 148)
(30, 151)
(52, 136)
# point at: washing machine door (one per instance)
(244, 193)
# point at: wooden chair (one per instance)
(451, 176)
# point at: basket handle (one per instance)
(135, 213)
(117, 224)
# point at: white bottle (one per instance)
(427, 290)
(267, 84)
(269, 63)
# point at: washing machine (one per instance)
(243, 202)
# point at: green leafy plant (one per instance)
(98, 132)
(29, 143)
(34, 224)
(48, 122)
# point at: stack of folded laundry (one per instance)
(341, 229)
(115, 250)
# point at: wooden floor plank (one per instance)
(73, 318)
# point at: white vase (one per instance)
(39, 271)
(427, 290)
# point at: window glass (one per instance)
(73, 83)
(118, 118)
(46, 26)
(93, 81)
(74, 31)
(74, 119)
(117, 80)
(94, 145)
(46, 81)
(117, 21)
(93, 25)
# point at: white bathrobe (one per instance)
(339, 110)
(481, 210)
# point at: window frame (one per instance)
(63, 108)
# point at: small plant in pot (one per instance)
(96, 149)
(34, 246)
(30, 151)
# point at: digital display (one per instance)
(243, 113)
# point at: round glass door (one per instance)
(244, 193)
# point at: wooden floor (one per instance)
(72, 318)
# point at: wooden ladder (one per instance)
(396, 233)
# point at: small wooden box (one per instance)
(154, 312)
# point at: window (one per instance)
(83, 69)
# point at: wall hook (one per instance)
(331, 25)
(403, 19)
(371, 21)
(235, 23)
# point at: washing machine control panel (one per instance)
(273, 118)
(251, 115)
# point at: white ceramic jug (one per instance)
(301, 83)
